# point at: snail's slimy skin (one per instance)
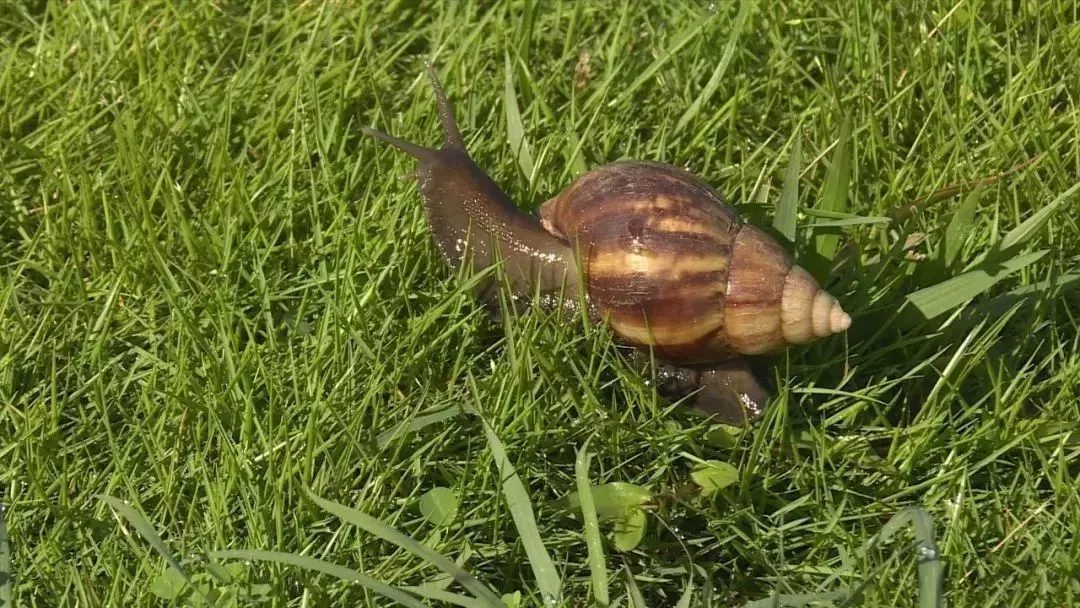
(649, 249)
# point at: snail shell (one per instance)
(675, 268)
(663, 258)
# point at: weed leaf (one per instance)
(439, 506)
(611, 500)
(713, 475)
(630, 529)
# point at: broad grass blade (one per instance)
(960, 227)
(574, 158)
(147, 531)
(416, 424)
(514, 126)
(392, 535)
(798, 599)
(434, 593)
(325, 567)
(1029, 227)
(834, 197)
(721, 67)
(597, 566)
(788, 208)
(6, 595)
(855, 220)
(688, 592)
(547, 577)
(930, 567)
(943, 297)
(636, 599)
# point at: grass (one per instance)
(221, 313)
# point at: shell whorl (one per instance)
(671, 266)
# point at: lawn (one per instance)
(233, 364)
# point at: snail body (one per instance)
(648, 248)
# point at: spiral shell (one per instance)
(671, 266)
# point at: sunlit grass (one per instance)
(220, 306)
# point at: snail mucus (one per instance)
(647, 248)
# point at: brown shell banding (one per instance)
(655, 245)
(674, 268)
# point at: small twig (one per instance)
(678, 494)
(1012, 533)
(900, 214)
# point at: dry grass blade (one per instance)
(902, 213)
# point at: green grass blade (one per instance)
(147, 531)
(654, 67)
(440, 595)
(787, 210)
(411, 426)
(718, 74)
(547, 577)
(388, 533)
(515, 129)
(637, 600)
(835, 194)
(688, 592)
(1031, 226)
(794, 600)
(943, 297)
(593, 540)
(574, 159)
(963, 220)
(930, 568)
(6, 596)
(315, 564)
(850, 221)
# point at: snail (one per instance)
(647, 248)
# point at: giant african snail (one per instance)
(650, 249)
